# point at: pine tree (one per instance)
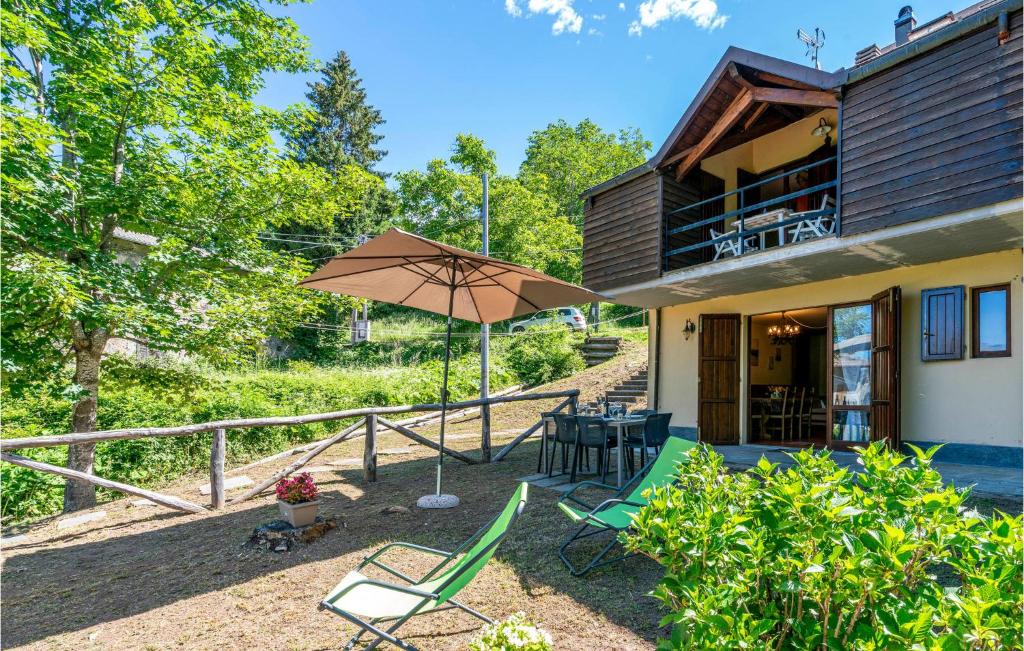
(344, 130)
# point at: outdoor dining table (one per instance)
(621, 425)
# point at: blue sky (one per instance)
(438, 68)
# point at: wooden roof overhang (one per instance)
(747, 96)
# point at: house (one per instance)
(835, 257)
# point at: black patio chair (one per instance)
(653, 435)
(592, 433)
(565, 434)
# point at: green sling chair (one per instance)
(369, 603)
(615, 514)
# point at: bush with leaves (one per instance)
(541, 356)
(516, 633)
(817, 556)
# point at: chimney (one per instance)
(865, 55)
(905, 24)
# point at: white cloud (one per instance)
(566, 17)
(593, 31)
(622, 6)
(703, 14)
(598, 17)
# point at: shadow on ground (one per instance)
(79, 583)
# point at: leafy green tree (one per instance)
(563, 160)
(141, 116)
(443, 203)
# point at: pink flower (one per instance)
(294, 490)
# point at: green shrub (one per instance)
(163, 393)
(516, 633)
(817, 556)
(539, 357)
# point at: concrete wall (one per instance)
(975, 401)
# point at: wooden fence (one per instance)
(369, 420)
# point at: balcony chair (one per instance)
(817, 224)
(732, 246)
(368, 603)
(614, 515)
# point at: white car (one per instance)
(569, 316)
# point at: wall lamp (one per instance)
(689, 329)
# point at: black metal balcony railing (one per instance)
(738, 239)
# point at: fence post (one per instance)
(370, 449)
(485, 432)
(217, 452)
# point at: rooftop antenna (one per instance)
(813, 43)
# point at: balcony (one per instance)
(800, 206)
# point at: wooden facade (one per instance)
(936, 134)
(622, 233)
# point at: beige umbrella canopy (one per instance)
(406, 269)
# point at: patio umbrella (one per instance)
(406, 269)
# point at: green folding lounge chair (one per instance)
(615, 514)
(369, 603)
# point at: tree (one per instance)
(443, 203)
(562, 160)
(342, 133)
(344, 129)
(149, 107)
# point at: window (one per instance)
(990, 321)
(942, 323)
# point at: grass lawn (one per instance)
(146, 578)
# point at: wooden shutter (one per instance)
(942, 323)
(718, 386)
(885, 366)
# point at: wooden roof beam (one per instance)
(729, 117)
(761, 108)
(818, 98)
(782, 81)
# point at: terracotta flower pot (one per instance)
(302, 514)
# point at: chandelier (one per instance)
(783, 332)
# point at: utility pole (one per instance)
(485, 342)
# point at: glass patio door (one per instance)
(849, 384)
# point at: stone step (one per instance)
(604, 340)
(634, 383)
(623, 399)
(627, 392)
(604, 354)
(594, 346)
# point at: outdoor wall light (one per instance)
(689, 329)
(823, 130)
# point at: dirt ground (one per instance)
(148, 578)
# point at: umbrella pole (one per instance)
(437, 500)
(444, 389)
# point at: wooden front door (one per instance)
(885, 366)
(718, 387)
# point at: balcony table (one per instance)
(765, 218)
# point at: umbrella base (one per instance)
(437, 502)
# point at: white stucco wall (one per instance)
(966, 401)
